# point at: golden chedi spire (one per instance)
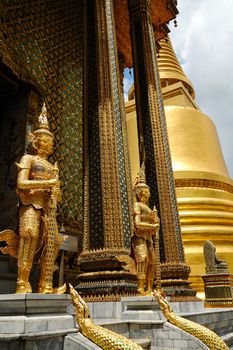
(170, 69)
(204, 189)
(192, 134)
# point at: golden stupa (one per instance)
(204, 189)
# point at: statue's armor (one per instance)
(36, 205)
(145, 216)
(143, 245)
(40, 169)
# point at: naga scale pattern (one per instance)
(101, 336)
(208, 337)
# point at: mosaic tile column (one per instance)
(154, 147)
(107, 187)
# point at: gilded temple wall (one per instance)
(46, 38)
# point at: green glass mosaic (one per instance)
(47, 36)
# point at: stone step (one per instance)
(228, 339)
(144, 343)
(33, 303)
(78, 341)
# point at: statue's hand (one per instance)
(54, 183)
(146, 226)
(152, 217)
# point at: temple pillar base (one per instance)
(218, 290)
(106, 285)
(103, 276)
(179, 290)
(174, 281)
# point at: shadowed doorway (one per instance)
(14, 105)
(14, 95)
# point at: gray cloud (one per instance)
(203, 41)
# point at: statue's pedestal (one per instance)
(34, 321)
(218, 290)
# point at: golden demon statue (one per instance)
(38, 188)
(146, 228)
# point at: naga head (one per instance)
(81, 309)
(164, 306)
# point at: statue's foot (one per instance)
(29, 288)
(23, 287)
(45, 289)
(141, 291)
(60, 290)
(148, 292)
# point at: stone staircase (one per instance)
(218, 320)
(34, 321)
(42, 322)
(79, 342)
(228, 338)
(141, 320)
(144, 343)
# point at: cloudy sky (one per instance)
(203, 42)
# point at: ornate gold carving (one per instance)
(110, 184)
(38, 188)
(175, 270)
(103, 337)
(12, 241)
(103, 297)
(185, 298)
(99, 254)
(130, 264)
(111, 228)
(208, 337)
(60, 290)
(146, 229)
(204, 183)
(103, 274)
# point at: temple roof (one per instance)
(162, 11)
